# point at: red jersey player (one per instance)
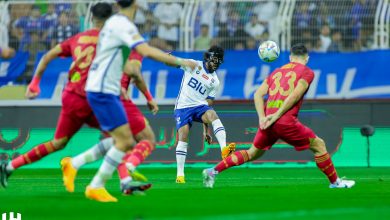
(75, 109)
(139, 127)
(285, 88)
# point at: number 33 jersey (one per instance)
(81, 48)
(281, 84)
(196, 86)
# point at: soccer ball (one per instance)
(268, 51)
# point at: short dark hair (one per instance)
(217, 50)
(101, 10)
(299, 49)
(125, 3)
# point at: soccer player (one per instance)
(196, 95)
(103, 89)
(139, 127)
(75, 108)
(285, 88)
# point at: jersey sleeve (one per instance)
(66, 47)
(134, 55)
(125, 81)
(308, 76)
(130, 35)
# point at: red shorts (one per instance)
(75, 112)
(135, 117)
(296, 134)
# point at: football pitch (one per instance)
(239, 193)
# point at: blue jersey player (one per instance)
(197, 92)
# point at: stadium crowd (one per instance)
(327, 25)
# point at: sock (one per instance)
(139, 154)
(123, 173)
(111, 161)
(93, 154)
(325, 164)
(181, 153)
(219, 132)
(33, 155)
(131, 160)
(236, 159)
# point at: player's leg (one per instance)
(144, 135)
(36, 153)
(325, 164)
(181, 152)
(69, 122)
(112, 118)
(140, 152)
(263, 141)
(211, 117)
(302, 138)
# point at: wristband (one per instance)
(179, 61)
(148, 96)
(34, 84)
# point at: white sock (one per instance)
(111, 161)
(181, 153)
(93, 154)
(126, 180)
(9, 167)
(219, 132)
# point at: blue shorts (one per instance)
(108, 110)
(188, 115)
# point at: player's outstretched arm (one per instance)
(290, 101)
(33, 89)
(259, 102)
(158, 55)
(133, 69)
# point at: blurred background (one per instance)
(349, 52)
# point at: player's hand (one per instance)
(270, 120)
(153, 107)
(207, 138)
(262, 122)
(124, 94)
(32, 92)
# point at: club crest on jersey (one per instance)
(212, 81)
(204, 76)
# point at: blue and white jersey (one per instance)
(106, 70)
(196, 86)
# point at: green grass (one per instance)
(238, 194)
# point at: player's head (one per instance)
(213, 58)
(101, 12)
(299, 53)
(125, 3)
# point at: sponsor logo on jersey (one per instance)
(204, 76)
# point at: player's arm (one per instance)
(33, 89)
(290, 101)
(259, 95)
(148, 51)
(133, 69)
